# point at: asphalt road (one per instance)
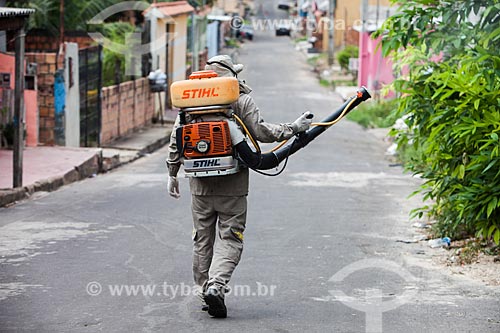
(320, 254)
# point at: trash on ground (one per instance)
(439, 242)
(421, 225)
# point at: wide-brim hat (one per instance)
(223, 65)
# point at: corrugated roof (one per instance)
(13, 12)
(172, 8)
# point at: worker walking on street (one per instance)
(219, 203)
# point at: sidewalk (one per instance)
(345, 92)
(48, 168)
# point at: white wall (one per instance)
(72, 110)
(212, 39)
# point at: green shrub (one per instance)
(452, 107)
(375, 114)
(232, 43)
(300, 39)
(349, 83)
(317, 60)
(350, 51)
(8, 133)
(325, 83)
(113, 66)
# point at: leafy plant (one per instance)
(350, 51)
(447, 53)
(343, 82)
(8, 133)
(232, 43)
(325, 83)
(300, 39)
(318, 60)
(113, 65)
(375, 114)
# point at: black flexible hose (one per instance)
(259, 161)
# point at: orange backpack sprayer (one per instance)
(206, 146)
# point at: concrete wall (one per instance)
(125, 109)
(212, 39)
(72, 87)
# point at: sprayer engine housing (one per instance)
(206, 139)
(207, 149)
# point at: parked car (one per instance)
(245, 31)
(283, 30)
(284, 5)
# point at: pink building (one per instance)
(7, 67)
(374, 71)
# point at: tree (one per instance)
(76, 13)
(450, 95)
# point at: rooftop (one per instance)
(15, 12)
(172, 8)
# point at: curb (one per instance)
(155, 145)
(96, 164)
(115, 161)
(84, 170)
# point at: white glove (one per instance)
(302, 123)
(173, 187)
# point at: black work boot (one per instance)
(215, 302)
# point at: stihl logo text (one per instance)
(199, 93)
(206, 163)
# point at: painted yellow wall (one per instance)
(177, 46)
(232, 6)
(177, 49)
(348, 12)
(180, 49)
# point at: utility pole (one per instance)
(362, 67)
(61, 23)
(19, 111)
(194, 42)
(331, 31)
(364, 14)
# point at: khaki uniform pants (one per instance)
(214, 261)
